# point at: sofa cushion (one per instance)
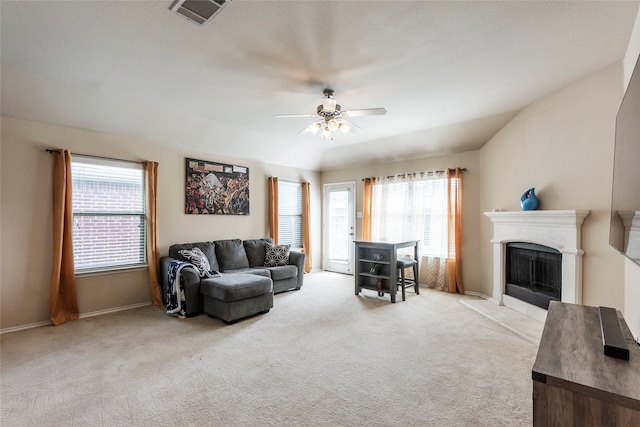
(255, 249)
(264, 271)
(283, 272)
(231, 254)
(236, 287)
(208, 248)
(276, 255)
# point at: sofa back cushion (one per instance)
(231, 254)
(208, 248)
(255, 249)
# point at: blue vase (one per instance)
(529, 201)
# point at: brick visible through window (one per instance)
(108, 213)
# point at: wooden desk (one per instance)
(574, 383)
(388, 250)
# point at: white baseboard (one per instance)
(23, 327)
(115, 309)
(476, 294)
(82, 316)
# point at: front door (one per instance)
(339, 223)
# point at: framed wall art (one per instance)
(216, 188)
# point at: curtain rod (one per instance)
(421, 173)
(48, 150)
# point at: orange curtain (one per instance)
(151, 183)
(367, 205)
(63, 302)
(306, 225)
(454, 260)
(273, 208)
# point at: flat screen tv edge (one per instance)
(624, 233)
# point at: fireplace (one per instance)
(559, 232)
(533, 273)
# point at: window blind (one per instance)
(290, 213)
(108, 213)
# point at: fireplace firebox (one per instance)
(533, 273)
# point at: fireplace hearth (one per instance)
(533, 273)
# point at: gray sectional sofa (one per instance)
(246, 285)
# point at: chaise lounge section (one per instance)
(250, 275)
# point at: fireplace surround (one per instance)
(556, 229)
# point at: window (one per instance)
(412, 208)
(290, 213)
(108, 214)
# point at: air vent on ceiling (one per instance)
(199, 11)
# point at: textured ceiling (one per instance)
(450, 74)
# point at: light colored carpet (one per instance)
(321, 357)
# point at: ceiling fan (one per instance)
(331, 117)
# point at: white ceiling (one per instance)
(450, 74)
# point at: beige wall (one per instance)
(26, 215)
(563, 146)
(470, 201)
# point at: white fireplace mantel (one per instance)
(558, 229)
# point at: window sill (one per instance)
(115, 270)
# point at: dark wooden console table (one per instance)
(574, 382)
(387, 251)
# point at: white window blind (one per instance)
(412, 208)
(108, 213)
(290, 214)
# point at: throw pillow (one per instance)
(196, 257)
(276, 255)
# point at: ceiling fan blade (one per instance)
(295, 115)
(365, 112)
(311, 128)
(353, 125)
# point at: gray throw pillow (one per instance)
(276, 255)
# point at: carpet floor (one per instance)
(321, 357)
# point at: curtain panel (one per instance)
(151, 184)
(454, 258)
(63, 300)
(434, 273)
(367, 204)
(273, 208)
(306, 225)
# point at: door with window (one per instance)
(339, 227)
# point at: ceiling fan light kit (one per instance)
(332, 118)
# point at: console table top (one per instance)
(571, 356)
